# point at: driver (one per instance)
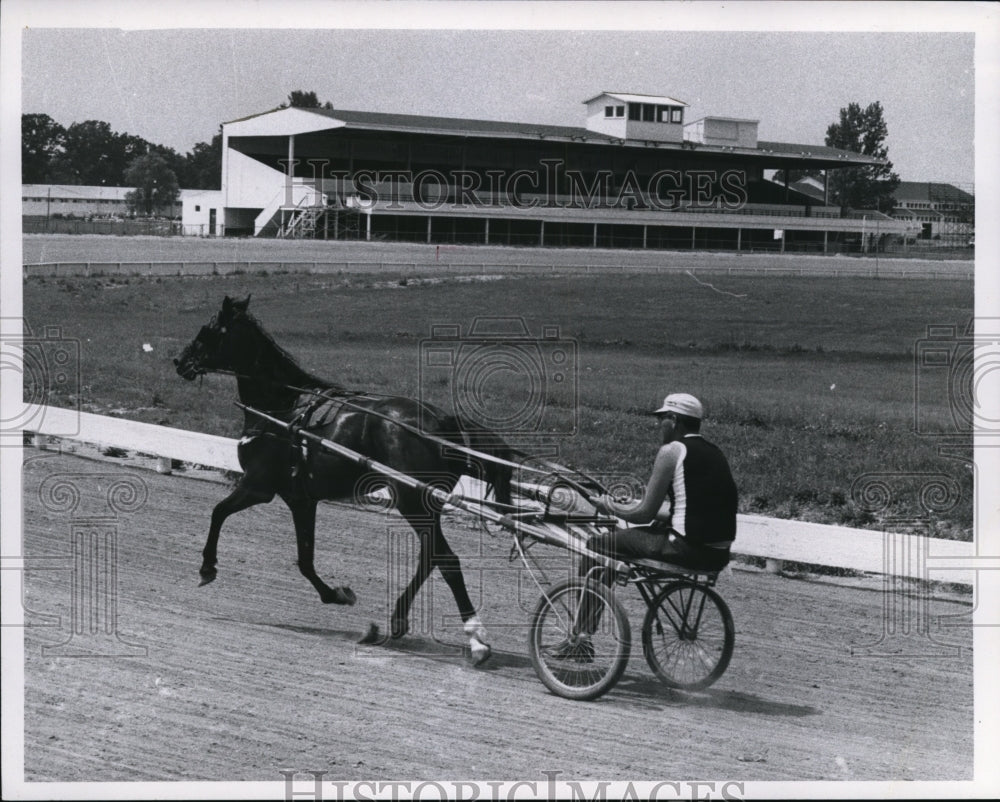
(687, 514)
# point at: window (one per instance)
(676, 115)
(197, 208)
(663, 114)
(619, 111)
(634, 111)
(609, 111)
(648, 113)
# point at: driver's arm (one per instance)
(659, 483)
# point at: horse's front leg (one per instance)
(304, 516)
(241, 498)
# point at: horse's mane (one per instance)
(310, 380)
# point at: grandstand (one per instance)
(636, 175)
(940, 212)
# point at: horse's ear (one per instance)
(241, 306)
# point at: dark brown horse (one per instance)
(384, 429)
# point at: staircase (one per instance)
(302, 222)
(294, 213)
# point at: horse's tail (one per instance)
(496, 474)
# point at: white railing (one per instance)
(775, 540)
(302, 221)
(744, 263)
(297, 194)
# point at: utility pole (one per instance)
(877, 243)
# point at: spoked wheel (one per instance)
(688, 635)
(580, 639)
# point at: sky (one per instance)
(175, 86)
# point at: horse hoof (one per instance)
(340, 596)
(206, 577)
(400, 626)
(480, 653)
(372, 635)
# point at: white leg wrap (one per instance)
(477, 639)
(474, 628)
(480, 650)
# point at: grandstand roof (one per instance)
(627, 97)
(931, 192)
(455, 125)
(727, 119)
(463, 127)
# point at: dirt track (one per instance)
(252, 674)
(354, 256)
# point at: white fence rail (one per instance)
(858, 268)
(774, 539)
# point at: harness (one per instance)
(332, 400)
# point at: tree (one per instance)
(41, 141)
(174, 160)
(863, 131)
(203, 165)
(94, 154)
(91, 153)
(155, 184)
(88, 156)
(300, 99)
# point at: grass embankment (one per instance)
(809, 382)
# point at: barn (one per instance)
(636, 174)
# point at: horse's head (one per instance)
(219, 345)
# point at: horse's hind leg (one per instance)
(436, 553)
(241, 498)
(304, 515)
(447, 562)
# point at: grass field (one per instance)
(809, 382)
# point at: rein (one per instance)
(403, 425)
(551, 467)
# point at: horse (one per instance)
(399, 432)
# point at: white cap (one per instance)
(682, 404)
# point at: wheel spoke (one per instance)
(692, 649)
(579, 640)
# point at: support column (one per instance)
(739, 239)
(368, 227)
(595, 235)
(693, 230)
(289, 194)
(541, 234)
(826, 235)
(486, 239)
(428, 229)
(644, 236)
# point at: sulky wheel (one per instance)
(580, 639)
(688, 635)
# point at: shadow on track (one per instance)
(646, 693)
